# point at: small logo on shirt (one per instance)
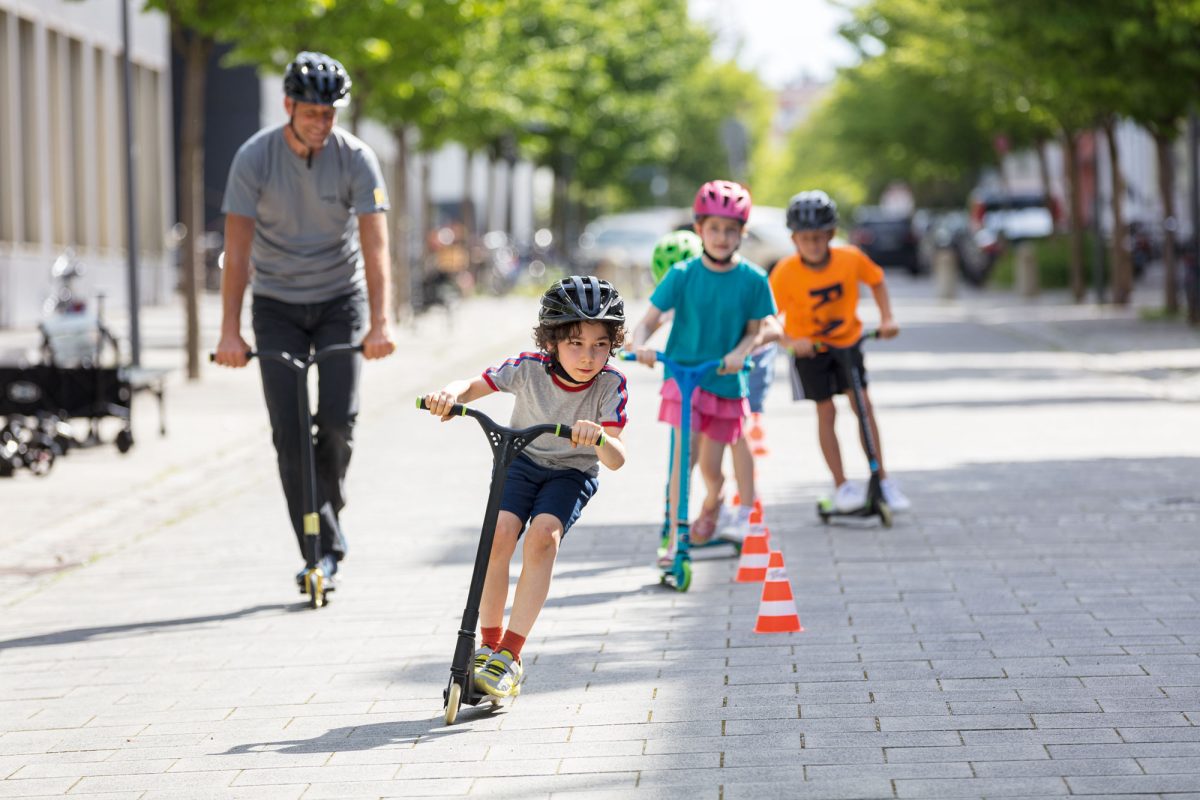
(380, 196)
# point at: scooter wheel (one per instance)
(124, 441)
(453, 700)
(683, 576)
(315, 583)
(885, 514)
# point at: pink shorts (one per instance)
(718, 418)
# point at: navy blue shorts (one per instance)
(531, 489)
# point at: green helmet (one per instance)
(676, 246)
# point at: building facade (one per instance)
(62, 151)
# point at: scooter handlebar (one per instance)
(629, 355)
(460, 410)
(824, 347)
(318, 356)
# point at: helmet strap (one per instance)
(720, 262)
(296, 133)
(557, 368)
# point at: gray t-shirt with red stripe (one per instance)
(306, 247)
(541, 397)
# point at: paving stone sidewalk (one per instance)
(1030, 629)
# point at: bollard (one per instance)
(1026, 269)
(945, 273)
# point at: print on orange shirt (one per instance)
(822, 304)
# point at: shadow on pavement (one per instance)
(365, 737)
(85, 634)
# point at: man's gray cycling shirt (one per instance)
(306, 246)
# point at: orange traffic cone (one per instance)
(756, 514)
(777, 610)
(757, 435)
(755, 558)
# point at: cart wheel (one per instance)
(453, 699)
(885, 514)
(683, 577)
(41, 461)
(124, 441)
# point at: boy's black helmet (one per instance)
(581, 298)
(812, 211)
(317, 78)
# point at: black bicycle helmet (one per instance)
(317, 78)
(581, 298)
(812, 211)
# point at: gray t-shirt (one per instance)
(305, 247)
(541, 397)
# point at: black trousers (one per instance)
(300, 329)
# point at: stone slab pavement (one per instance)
(1030, 629)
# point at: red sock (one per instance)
(512, 642)
(491, 637)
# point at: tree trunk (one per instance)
(401, 266)
(196, 50)
(426, 212)
(1039, 147)
(1075, 201)
(467, 210)
(511, 203)
(489, 189)
(1166, 189)
(1122, 283)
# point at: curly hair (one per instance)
(545, 335)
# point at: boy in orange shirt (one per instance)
(816, 291)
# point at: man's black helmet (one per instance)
(581, 298)
(317, 78)
(812, 211)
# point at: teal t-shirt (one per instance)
(711, 312)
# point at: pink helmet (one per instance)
(722, 199)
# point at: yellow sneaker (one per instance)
(501, 675)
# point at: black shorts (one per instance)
(821, 377)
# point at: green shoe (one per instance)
(501, 675)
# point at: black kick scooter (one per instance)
(507, 444)
(875, 505)
(314, 578)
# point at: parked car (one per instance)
(767, 238)
(886, 236)
(1015, 216)
(619, 247)
(976, 252)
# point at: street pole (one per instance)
(1097, 232)
(1193, 282)
(131, 228)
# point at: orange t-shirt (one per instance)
(822, 303)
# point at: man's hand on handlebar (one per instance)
(378, 343)
(231, 350)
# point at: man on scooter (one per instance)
(305, 205)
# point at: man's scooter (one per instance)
(507, 444)
(875, 505)
(314, 581)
